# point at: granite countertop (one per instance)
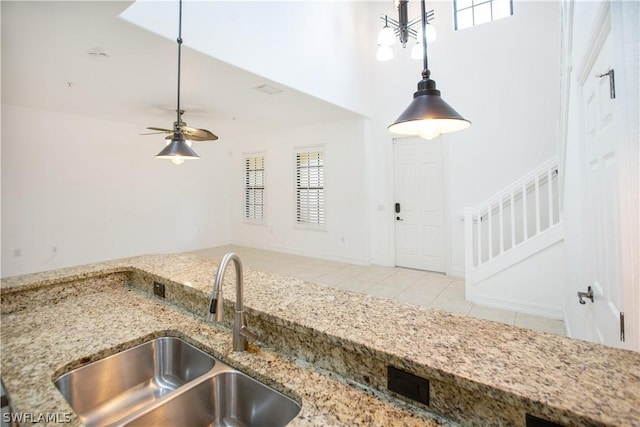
(67, 326)
(587, 381)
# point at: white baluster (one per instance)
(513, 221)
(489, 220)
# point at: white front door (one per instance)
(602, 214)
(419, 204)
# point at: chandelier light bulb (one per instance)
(384, 53)
(177, 160)
(386, 36)
(431, 33)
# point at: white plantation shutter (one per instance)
(254, 188)
(310, 186)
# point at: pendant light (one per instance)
(428, 115)
(177, 150)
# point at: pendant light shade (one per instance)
(177, 150)
(428, 115)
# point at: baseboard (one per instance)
(300, 252)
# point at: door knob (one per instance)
(588, 294)
(399, 219)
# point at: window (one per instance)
(310, 186)
(254, 188)
(468, 13)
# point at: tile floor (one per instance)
(417, 287)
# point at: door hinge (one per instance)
(622, 327)
(612, 82)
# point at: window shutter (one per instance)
(254, 188)
(310, 187)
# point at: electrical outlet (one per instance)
(158, 289)
(408, 385)
(17, 253)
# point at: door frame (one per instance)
(446, 203)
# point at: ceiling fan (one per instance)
(190, 134)
(178, 148)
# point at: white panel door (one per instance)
(419, 208)
(602, 223)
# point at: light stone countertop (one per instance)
(585, 383)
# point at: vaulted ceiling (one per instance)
(81, 58)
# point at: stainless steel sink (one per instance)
(226, 399)
(169, 382)
(110, 389)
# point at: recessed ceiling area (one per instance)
(81, 58)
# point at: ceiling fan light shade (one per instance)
(169, 138)
(428, 115)
(177, 150)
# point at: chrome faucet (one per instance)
(241, 333)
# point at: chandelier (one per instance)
(404, 30)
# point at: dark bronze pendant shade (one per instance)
(428, 115)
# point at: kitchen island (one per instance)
(326, 348)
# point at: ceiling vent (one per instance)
(268, 89)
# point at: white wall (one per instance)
(94, 190)
(504, 77)
(535, 285)
(344, 236)
(315, 47)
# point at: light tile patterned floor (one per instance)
(416, 287)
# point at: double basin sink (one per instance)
(169, 382)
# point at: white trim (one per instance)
(625, 27)
(446, 211)
(599, 33)
(566, 64)
(519, 306)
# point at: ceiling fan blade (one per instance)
(197, 134)
(161, 129)
(210, 136)
(152, 133)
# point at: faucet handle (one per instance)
(216, 308)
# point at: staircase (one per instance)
(513, 246)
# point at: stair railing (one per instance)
(513, 216)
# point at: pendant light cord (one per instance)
(179, 40)
(425, 73)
